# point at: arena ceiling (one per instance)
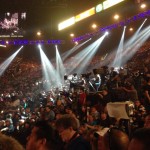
(44, 15)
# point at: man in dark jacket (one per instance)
(67, 127)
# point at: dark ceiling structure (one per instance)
(44, 15)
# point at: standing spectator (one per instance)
(43, 137)
(97, 82)
(67, 127)
(49, 113)
(131, 92)
(82, 98)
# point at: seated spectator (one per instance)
(95, 113)
(91, 121)
(9, 143)
(140, 139)
(49, 113)
(139, 113)
(9, 128)
(104, 120)
(59, 108)
(43, 137)
(83, 114)
(67, 127)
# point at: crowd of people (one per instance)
(77, 117)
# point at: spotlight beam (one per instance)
(118, 58)
(142, 37)
(8, 61)
(60, 69)
(83, 58)
(48, 71)
(71, 51)
(134, 37)
(127, 47)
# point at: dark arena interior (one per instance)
(85, 58)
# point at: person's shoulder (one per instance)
(81, 143)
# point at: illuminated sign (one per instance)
(66, 23)
(110, 3)
(106, 4)
(100, 7)
(85, 14)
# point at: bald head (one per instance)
(115, 139)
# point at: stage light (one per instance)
(56, 46)
(72, 35)
(39, 46)
(143, 6)
(116, 17)
(38, 33)
(106, 33)
(94, 26)
(131, 29)
(76, 43)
